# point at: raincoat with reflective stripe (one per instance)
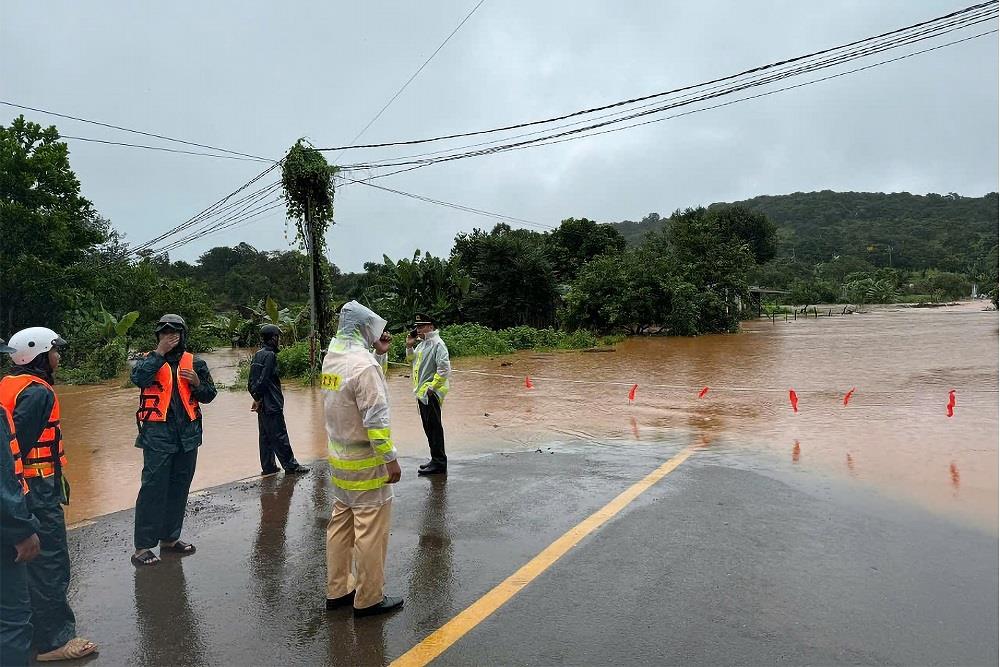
(431, 367)
(356, 405)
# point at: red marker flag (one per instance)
(631, 393)
(701, 394)
(847, 396)
(527, 383)
(951, 403)
(794, 399)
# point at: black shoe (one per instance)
(433, 469)
(297, 469)
(342, 601)
(387, 605)
(268, 473)
(423, 466)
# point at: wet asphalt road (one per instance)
(717, 564)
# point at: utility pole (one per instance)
(311, 249)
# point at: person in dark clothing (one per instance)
(19, 545)
(269, 404)
(27, 395)
(173, 384)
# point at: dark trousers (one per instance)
(15, 610)
(159, 509)
(430, 415)
(48, 574)
(274, 442)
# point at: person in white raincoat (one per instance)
(362, 462)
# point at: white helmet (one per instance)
(31, 342)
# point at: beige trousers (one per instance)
(358, 535)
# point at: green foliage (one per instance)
(865, 289)
(231, 329)
(399, 289)
(684, 280)
(95, 352)
(307, 179)
(823, 237)
(309, 190)
(475, 340)
(293, 360)
(942, 285)
(294, 325)
(242, 274)
(576, 242)
(751, 227)
(512, 279)
(48, 227)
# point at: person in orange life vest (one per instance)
(28, 397)
(172, 384)
(19, 544)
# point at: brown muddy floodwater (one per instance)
(894, 435)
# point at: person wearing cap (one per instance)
(19, 544)
(363, 465)
(173, 384)
(428, 355)
(28, 397)
(269, 404)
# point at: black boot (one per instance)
(423, 466)
(434, 468)
(387, 605)
(342, 601)
(296, 469)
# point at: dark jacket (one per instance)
(16, 521)
(177, 433)
(264, 384)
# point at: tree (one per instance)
(48, 227)
(753, 228)
(579, 240)
(426, 284)
(713, 256)
(309, 190)
(512, 278)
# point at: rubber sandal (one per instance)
(178, 547)
(74, 649)
(145, 558)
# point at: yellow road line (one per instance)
(438, 642)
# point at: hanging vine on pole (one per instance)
(307, 179)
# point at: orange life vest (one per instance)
(48, 457)
(15, 451)
(154, 400)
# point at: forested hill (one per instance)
(947, 232)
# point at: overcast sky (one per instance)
(253, 76)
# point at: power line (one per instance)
(546, 140)
(127, 129)
(460, 207)
(778, 90)
(687, 97)
(236, 220)
(958, 13)
(415, 74)
(240, 207)
(159, 148)
(208, 211)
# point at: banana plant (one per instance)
(267, 311)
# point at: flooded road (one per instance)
(893, 436)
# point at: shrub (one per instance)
(293, 361)
(474, 340)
